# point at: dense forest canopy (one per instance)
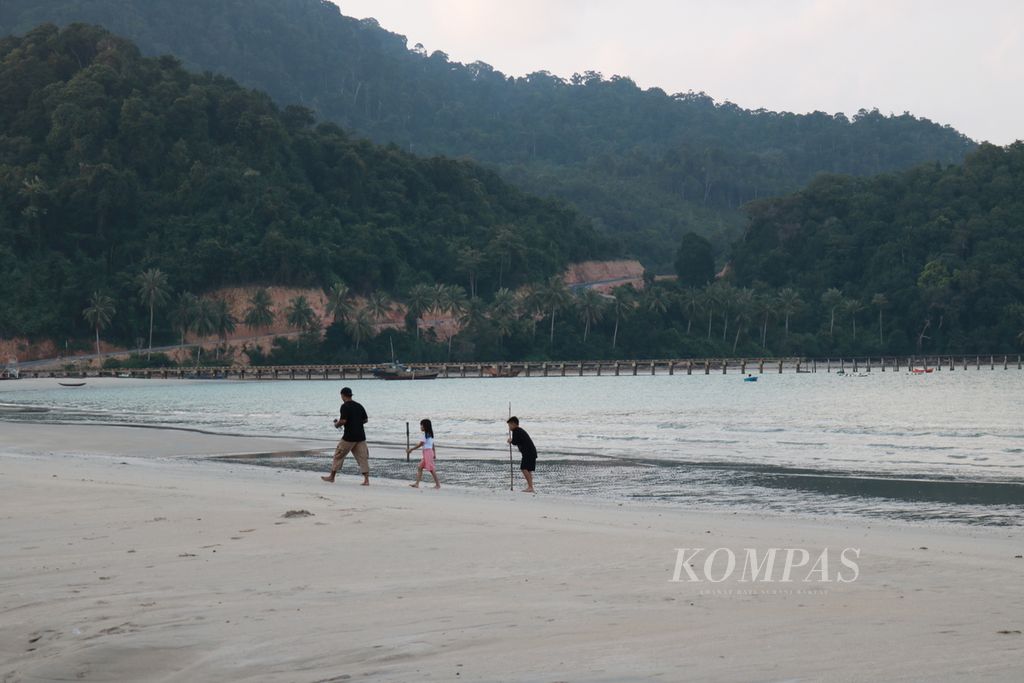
(649, 166)
(937, 252)
(111, 163)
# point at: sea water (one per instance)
(946, 446)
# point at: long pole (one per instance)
(511, 472)
(407, 442)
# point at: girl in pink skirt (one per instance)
(427, 444)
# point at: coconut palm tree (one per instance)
(183, 314)
(153, 292)
(765, 308)
(418, 302)
(259, 313)
(225, 321)
(711, 299)
(99, 313)
(880, 301)
(378, 305)
(789, 302)
(339, 304)
(853, 307)
(359, 325)
(656, 300)
(301, 315)
(531, 303)
(205, 321)
(690, 301)
(556, 297)
(623, 301)
(832, 299)
(743, 309)
(468, 262)
(591, 306)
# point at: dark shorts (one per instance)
(528, 462)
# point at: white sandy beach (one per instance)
(120, 563)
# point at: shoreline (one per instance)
(168, 567)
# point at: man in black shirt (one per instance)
(518, 437)
(352, 417)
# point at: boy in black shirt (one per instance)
(518, 437)
(352, 417)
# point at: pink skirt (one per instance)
(428, 459)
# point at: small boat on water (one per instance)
(496, 371)
(71, 384)
(921, 371)
(750, 378)
(399, 371)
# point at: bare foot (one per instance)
(365, 483)
(529, 490)
(328, 479)
(415, 486)
(437, 486)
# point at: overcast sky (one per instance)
(958, 63)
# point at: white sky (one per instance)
(960, 63)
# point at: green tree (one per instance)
(789, 303)
(225, 322)
(99, 313)
(832, 299)
(880, 301)
(695, 261)
(690, 301)
(260, 312)
(339, 303)
(204, 322)
(623, 301)
(360, 325)
(556, 297)
(301, 316)
(852, 307)
(418, 301)
(153, 292)
(591, 305)
(184, 313)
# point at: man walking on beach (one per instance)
(517, 436)
(353, 439)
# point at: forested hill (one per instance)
(936, 254)
(111, 163)
(649, 165)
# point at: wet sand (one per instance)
(120, 567)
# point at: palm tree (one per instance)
(531, 303)
(765, 308)
(853, 307)
(99, 313)
(468, 262)
(711, 299)
(418, 302)
(301, 315)
(881, 301)
(153, 291)
(743, 307)
(378, 306)
(259, 313)
(832, 299)
(556, 297)
(184, 313)
(590, 304)
(623, 301)
(690, 301)
(339, 306)
(465, 311)
(359, 325)
(656, 300)
(225, 321)
(726, 300)
(789, 303)
(204, 323)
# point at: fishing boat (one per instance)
(71, 384)
(921, 371)
(398, 371)
(750, 378)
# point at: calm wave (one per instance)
(948, 446)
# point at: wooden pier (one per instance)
(589, 368)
